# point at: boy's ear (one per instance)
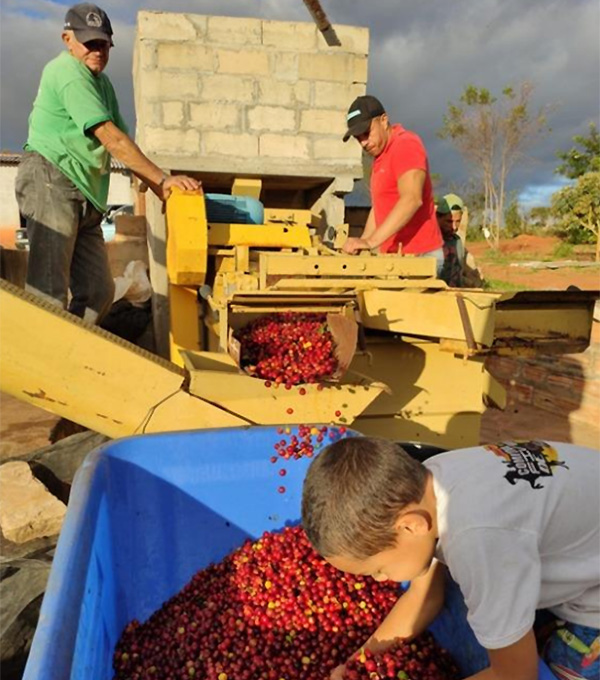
(416, 522)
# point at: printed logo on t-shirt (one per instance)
(527, 460)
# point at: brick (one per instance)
(173, 142)
(285, 94)
(360, 71)
(334, 148)
(336, 95)
(565, 384)
(215, 115)
(145, 54)
(289, 36)
(501, 367)
(172, 114)
(553, 403)
(184, 56)
(234, 31)
(533, 373)
(227, 88)
(274, 118)
(165, 26)
(284, 146)
(523, 394)
(28, 510)
(221, 143)
(284, 66)
(323, 122)
(164, 85)
(335, 67)
(354, 39)
(246, 62)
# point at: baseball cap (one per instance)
(88, 22)
(449, 203)
(361, 113)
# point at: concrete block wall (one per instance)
(247, 96)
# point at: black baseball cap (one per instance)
(88, 22)
(361, 113)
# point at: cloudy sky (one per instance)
(422, 54)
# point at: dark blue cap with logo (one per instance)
(361, 113)
(88, 22)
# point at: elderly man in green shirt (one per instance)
(62, 184)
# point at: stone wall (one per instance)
(250, 97)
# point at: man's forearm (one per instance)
(124, 149)
(369, 229)
(399, 216)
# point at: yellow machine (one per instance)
(417, 375)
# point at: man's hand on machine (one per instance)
(181, 182)
(354, 245)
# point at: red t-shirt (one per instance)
(404, 151)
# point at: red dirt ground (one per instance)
(531, 248)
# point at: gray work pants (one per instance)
(66, 246)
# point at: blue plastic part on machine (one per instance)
(144, 515)
(227, 209)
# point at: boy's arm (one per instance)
(519, 661)
(411, 615)
(414, 611)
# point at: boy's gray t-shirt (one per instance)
(519, 527)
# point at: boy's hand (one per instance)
(338, 673)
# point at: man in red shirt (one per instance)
(403, 212)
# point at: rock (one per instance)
(28, 509)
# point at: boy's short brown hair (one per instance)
(353, 494)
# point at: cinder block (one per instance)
(323, 121)
(145, 55)
(234, 31)
(251, 62)
(179, 141)
(274, 118)
(165, 26)
(336, 95)
(185, 56)
(224, 144)
(336, 67)
(164, 85)
(284, 66)
(214, 115)
(284, 146)
(172, 114)
(272, 91)
(290, 36)
(334, 148)
(354, 39)
(360, 70)
(227, 88)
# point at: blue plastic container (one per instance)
(145, 514)
(227, 209)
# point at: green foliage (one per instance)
(563, 251)
(578, 162)
(514, 224)
(577, 209)
(498, 285)
(540, 217)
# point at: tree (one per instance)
(577, 207)
(492, 135)
(577, 162)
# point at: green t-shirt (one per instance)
(70, 101)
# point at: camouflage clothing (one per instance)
(454, 259)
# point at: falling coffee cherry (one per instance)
(281, 489)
